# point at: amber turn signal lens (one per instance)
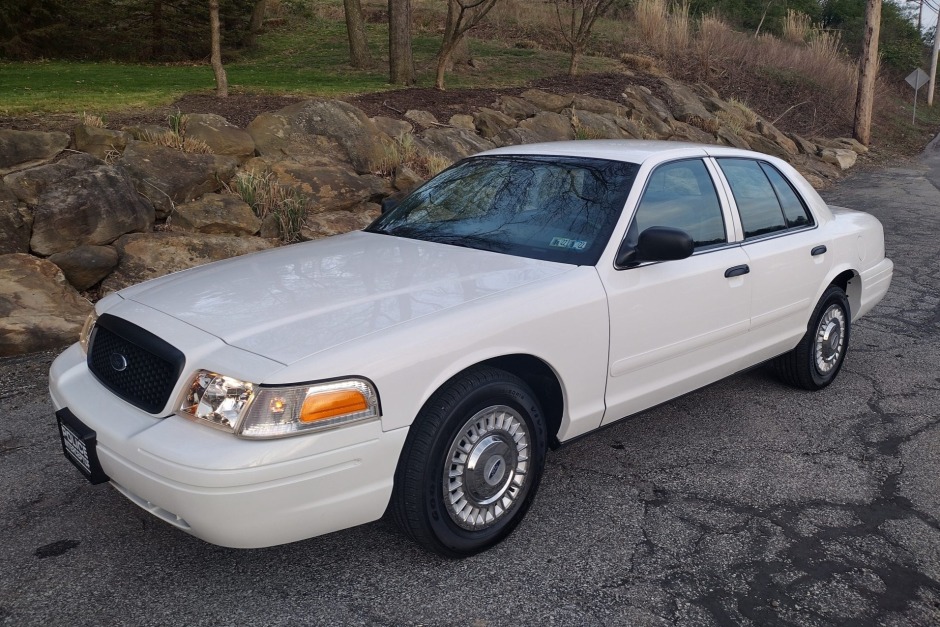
(331, 404)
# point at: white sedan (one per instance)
(522, 298)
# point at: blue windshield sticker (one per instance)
(568, 243)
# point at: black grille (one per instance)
(133, 363)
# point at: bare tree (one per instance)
(221, 80)
(356, 30)
(400, 60)
(576, 25)
(462, 15)
(257, 22)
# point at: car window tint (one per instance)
(793, 208)
(681, 195)
(757, 202)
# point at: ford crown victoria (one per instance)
(520, 299)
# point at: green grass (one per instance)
(309, 57)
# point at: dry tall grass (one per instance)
(796, 26)
(405, 151)
(266, 196)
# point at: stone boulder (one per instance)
(453, 143)
(328, 188)
(771, 132)
(598, 105)
(28, 185)
(392, 126)
(688, 133)
(26, 149)
(100, 142)
(841, 143)
(595, 126)
(764, 145)
(222, 137)
(424, 119)
(729, 138)
(517, 108)
(462, 120)
(16, 223)
(841, 157)
(546, 101)
(39, 310)
(151, 255)
(219, 214)
(338, 222)
(549, 126)
(686, 105)
(490, 123)
(95, 206)
(328, 129)
(85, 266)
(805, 146)
(168, 177)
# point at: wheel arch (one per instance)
(851, 283)
(543, 380)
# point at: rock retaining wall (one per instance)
(131, 204)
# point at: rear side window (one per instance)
(793, 208)
(766, 201)
(681, 195)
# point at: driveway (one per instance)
(744, 503)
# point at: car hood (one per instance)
(291, 302)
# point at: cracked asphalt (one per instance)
(747, 503)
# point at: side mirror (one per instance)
(657, 243)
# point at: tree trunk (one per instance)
(867, 70)
(400, 61)
(257, 22)
(443, 62)
(157, 32)
(355, 29)
(221, 81)
(575, 58)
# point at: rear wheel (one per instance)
(471, 463)
(818, 358)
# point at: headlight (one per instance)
(252, 411)
(217, 399)
(85, 335)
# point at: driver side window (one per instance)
(681, 195)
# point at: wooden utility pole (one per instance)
(867, 71)
(933, 63)
(221, 80)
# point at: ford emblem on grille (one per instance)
(118, 362)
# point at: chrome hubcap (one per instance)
(485, 470)
(830, 339)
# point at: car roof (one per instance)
(629, 150)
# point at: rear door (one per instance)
(786, 253)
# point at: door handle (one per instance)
(819, 250)
(737, 271)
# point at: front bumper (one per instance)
(225, 490)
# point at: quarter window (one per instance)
(681, 195)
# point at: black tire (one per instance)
(818, 358)
(502, 413)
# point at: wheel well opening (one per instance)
(851, 284)
(541, 378)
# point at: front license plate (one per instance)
(79, 443)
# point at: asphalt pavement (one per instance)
(747, 503)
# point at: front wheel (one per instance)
(818, 358)
(471, 463)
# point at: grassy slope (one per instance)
(308, 57)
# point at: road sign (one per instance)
(917, 79)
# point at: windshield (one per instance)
(551, 208)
